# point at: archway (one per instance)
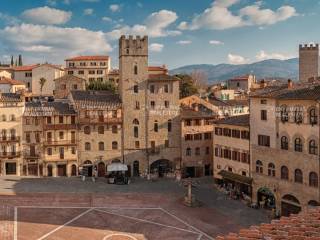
(161, 167)
(49, 170)
(313, 203)
(73, 170)
(266, 198)
(101, 169)
(87, 168)
(289, 205)
(136, 172)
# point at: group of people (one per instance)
(83, 172)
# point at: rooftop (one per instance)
(241, 120)
(48, 108)
(88, 58)
(4, 80)
(187, 112)
(10, 97)
(69, 78)
(302, 226)
(26, 67)
(162, 77)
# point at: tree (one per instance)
(20, 60)
(200, 79)
(42, 82)
(100, 86)
(12, 62)
(16, 63)
(187, 87)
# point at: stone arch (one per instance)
(101, 167)
(73, 171)
(312, 115)
(161, 167)
(313, 203)
(290, 205)
(266, 198)
(136, 168)
(49, 170)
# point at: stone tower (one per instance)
(133, 70)
(308, 62)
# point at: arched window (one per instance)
(136, 88)
(298, 145)
(284, 173)
(135, 121)
(284, 143)
(313, 148)
(114, 129)
(101, 129)
(298, 176)
(188, 151)
(169, 125)
(12, 117)
(13, 133)
(155, 126)
(259, 167)
(298, 115)
(101, 146)
(271, 170)
(114, 145)
(284, 113)
(4, 118)
(86, 130)
(313, 118)
(87, 146)
(313, 179)
(135, 69)
(136, 131)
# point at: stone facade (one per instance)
(244, 83)
(308, 62)
(64, 85)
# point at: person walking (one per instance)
(94, 174)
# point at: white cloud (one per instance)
(88, 11)
(46, 15)
(216, 42)
(106, 19)
(237, 59)
(115, 8)
(155, 25)
(52, 2)
(262, 55)
(219, 16)
(53, 40)
(156, 47)
(184, 42)
(7, 19)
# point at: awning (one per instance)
(235, 177)
(117, 167)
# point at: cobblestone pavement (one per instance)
(216, 215)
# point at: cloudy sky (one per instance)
(181, 32)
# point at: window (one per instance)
(4, 118)
(166, 143)
(86, 130)
(28, 74)
(80, 72)
(207, 150)
(135, 70)
(101, 146)
(264, 115)
(61, 135)
(166, 88)
(137, 105)
(197, 136)
(49, 120)
(188, 137)
(235, 133)
(99, 72)
(73, 150)
(264, 140)
(49, 151)
(313, 179)
(259, 167)
(284, 173)
(136, 131)
(137, 144)
(93, 63)
(235, 156)
(227, 153)
(218, 131)
(188, 152)
(73, 119)
(298, 176)
(187, 122)
(12, 117)
(169, 125)
(92, 72)
(101, 130)
(114, 145)
(28, 137)
(271, 170)
(313, 119)
(245, 135)
(284, 143)
(155, 126)
(313, 148)
(61, 152)
(60, 119)
(152, 89)
(13, 134)
(197, 122)
(166, 104)
(207, 135)
(263, 101)
(284, 114)
(75, 86)
(197, 152)
(152, 104)
(227, 132)
(245, 158)
(298, 116)
(135, 88)
(298, 145)
(37, 137)
(87, 146)
(70, 72)
(114, 129)
(100, 79)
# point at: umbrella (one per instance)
(117, 167)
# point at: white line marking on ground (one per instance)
(200, 236)
(15, 226)
(147, 221)
(70, 221)
(120, 235)
(180, 220)
(114, 208)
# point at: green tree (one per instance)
(42, 82)
(12, 62)
(187, 86)
(100, 86)
(20, 60)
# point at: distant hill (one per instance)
(265, 69)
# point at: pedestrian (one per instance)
(94, 174)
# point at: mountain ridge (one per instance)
(271, 68)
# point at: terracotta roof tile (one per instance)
(89, 58)
(26, 67)
(4, 80)
(162, 77)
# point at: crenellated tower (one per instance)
(308, 62)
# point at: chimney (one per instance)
(290, 83)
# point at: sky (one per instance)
(181, 32)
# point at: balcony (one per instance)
(59, 126)
(31, 155)
(10, 154)
(9, 139)
(89, 120)
(49, 142)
